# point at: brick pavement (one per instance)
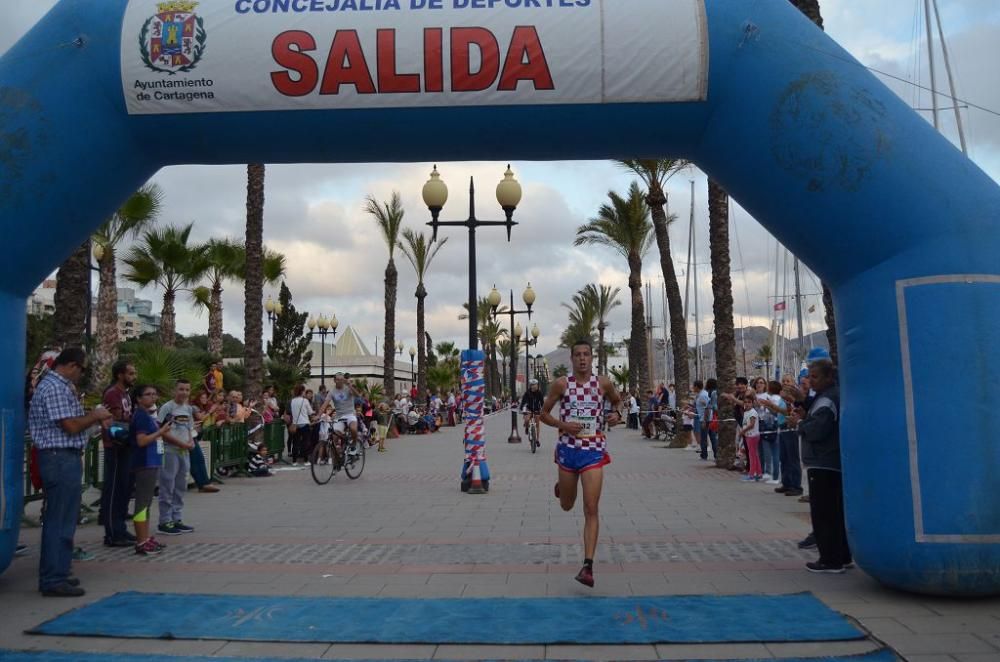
(670, 525)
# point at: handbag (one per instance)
(713, 423)
(292, 426)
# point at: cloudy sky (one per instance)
(314, 213)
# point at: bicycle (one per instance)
(338, 451)
(531, 430)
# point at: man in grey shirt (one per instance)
(342, 396)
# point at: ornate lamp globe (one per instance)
(494, 297)
(435, 192)
(535, 332)
(99, 250)
(269, 306)
(413, 352)
(518, 331)
(311, 324)
(509, 190)
(334, 323)
(529, 296)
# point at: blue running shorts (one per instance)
(578, 460)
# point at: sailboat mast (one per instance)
(798, 309)
(951, 80)
(930, 58)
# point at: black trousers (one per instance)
(300, 442)
(116, 491)
(826, 505)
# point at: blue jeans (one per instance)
(62, 476)
(791, 466)
(707, 435)
(769, 446)
(116, 491)
(198, 469)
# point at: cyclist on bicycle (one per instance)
(342, 396)
(531, 407)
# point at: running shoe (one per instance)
(809, 542)
(148, 548)
(182, 527)
(168, 529)
(586, 576)
(158, 544)
(80, 554)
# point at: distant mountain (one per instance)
(750, 339)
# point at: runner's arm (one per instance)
(555, 393)
(611, 393)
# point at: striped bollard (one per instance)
(475, 470)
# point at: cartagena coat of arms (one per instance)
(173, 40)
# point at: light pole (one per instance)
(273, 309)
(413, 353)
(435, 194)
(515, 336)
(527, 353)
(323, 327)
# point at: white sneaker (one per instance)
(766, 477)
(774, 482)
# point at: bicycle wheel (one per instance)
(354, 459)
(532, 437)
(321, 462)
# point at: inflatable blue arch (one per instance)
(103, 93)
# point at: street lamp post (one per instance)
(97, 249)
(273, 309)
(435, 194)
(322, 327)
(413, 353)
(527, 353)
(515, 336)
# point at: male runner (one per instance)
(531, 405)
(582, 449)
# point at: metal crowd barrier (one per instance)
(225, 447)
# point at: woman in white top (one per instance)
(300, 413)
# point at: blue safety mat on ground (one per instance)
(635, 620)
(51, 656)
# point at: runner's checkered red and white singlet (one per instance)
(584, 400)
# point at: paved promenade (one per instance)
(670, 525)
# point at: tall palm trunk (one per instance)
(602, 352)
(421, 343)
(71, 299)
(253, 313)
(638, 356)
(215, 321)
(389, 353)
(657, 201)
(722, 308)
(811, 9)
(168, 320)
(106, 347)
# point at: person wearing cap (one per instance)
(531, 407)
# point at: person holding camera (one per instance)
(117, 487)
(58, 427)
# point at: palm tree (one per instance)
(253, 282)
(624, 226)
(582, 320)
(221, 260)
(764, 354)
(224, 260)
(504, 350)
(165, 259)
(389, 217)
(72, 299)
(722, 308)
(420, 252)
(655, 173)
(135, 215)
(622, 377)
(811, 9)
(603, 300)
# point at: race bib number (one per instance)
(589, 426)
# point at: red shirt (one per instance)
(117, 401)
